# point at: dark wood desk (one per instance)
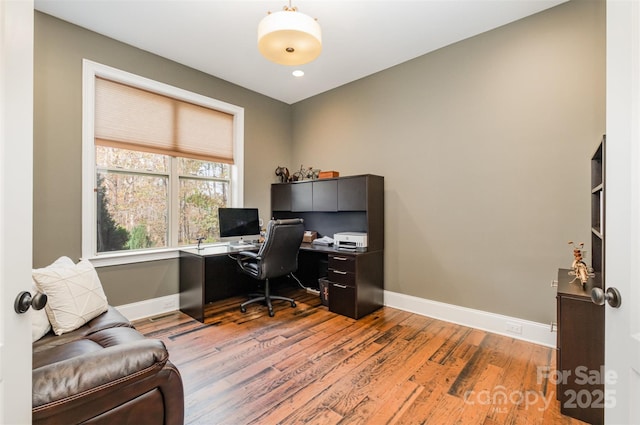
(209, 275)
(356, 278)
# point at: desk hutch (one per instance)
(328, 206)
(354, 204)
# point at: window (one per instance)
(157, 163)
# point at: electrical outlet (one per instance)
(169, 305)
(514, 328)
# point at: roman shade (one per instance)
(131, 118)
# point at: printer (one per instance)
(350, 241)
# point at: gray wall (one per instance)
(485, 149)
(484, 146)
(59, 50)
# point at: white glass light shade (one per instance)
(289, 38)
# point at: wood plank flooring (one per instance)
(307, 365)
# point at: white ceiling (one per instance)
(360, 37)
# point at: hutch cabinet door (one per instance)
(325, 195)
(302, 197)
(352, 194)
(281, 197)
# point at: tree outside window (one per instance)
(134, 199)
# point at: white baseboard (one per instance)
(538, 333)
(148, 308)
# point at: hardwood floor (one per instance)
(308, 365)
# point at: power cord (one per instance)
(307, 288)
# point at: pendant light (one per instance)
(289, 37)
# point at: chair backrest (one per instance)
(279, 252)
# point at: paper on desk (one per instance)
(325, 240)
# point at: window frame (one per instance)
(91, 70)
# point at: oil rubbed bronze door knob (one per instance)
(24, 300)
(612, 296)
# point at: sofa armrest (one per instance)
(114, 367)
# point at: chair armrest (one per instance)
(85, 374)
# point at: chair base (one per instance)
(267, 298)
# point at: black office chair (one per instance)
(278, 256)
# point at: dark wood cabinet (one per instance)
(356, 286)
(329, 206)
(580, 355)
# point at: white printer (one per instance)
(350, 241)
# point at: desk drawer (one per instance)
(345, 263)
(342, 299)
(343, 277)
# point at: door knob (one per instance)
(24, 300)
(612, 296)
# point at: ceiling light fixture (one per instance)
(289, 37)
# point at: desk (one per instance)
(356, 287)
(208, 275)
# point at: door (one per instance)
(622, 230)
(16, 171)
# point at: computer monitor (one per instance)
(239, 225)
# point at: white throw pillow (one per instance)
(74, 293)
(40, 325)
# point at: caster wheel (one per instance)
(271, 313)
(293, 304)
(242, 309)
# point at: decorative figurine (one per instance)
(283, 173)
(580, 269)
(305, 174)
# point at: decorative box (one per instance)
(328, 174)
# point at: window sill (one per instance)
(120, 258)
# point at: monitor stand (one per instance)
(241, 243)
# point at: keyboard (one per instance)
(243, 246)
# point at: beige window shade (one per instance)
(131, 118)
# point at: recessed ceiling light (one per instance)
(298, 73)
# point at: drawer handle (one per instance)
(339, 272)
(554, 327)
(554, 283)
(340, 286)
(340, 258)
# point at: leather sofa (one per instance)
(105, 372)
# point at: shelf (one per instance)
(597, 233)
(598, 192)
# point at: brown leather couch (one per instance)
(105, 372)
